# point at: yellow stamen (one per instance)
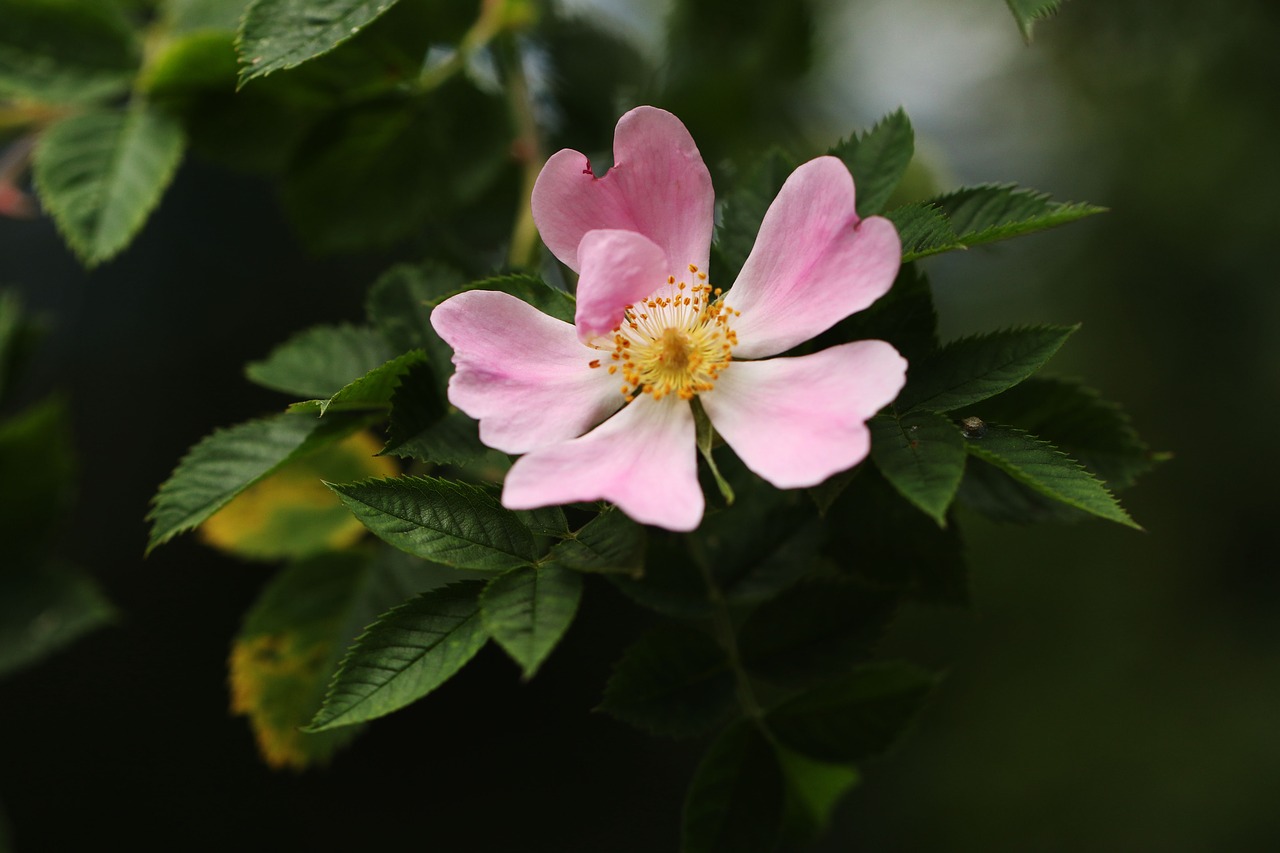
(676, 344)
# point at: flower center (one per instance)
(677, 341)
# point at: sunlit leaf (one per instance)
(528, 609)
(735, 802)
(224, 464)
(972, 369)
(922, 455)
(408, 652)
(100, 174)
(1047, 470)
(458, 524)
(673, 681)
(878, 159)
(320, 361)
(292, 513)
(856, 717)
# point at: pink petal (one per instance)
(797, 421)
(658, 187)
(813, 263)
(643, 459)
(525, 376)
(618, 268)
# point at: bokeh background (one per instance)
(1109, 690)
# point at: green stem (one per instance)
(494, 18)
(528, 151)
(728, 639)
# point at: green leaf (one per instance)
(65, 51)
(389, 168)
(813, 790)
(371, 392)
(199, 63)
(320, 361)
(856, 717)
(100, 174)
(673, 681)
(743, 209)
(186, 16)
(878, 159)
(991, 212)
(528, 609)
(18, 337)
(457, 524)
(922, 455)
(421, 428)
(879, 538)
(1047, 470)
(1027, 12)
(224, 464)
(924, 229)
(609, 543)
(814, 630)
(38, 471)
(43, 609)
(408, 652)
(280, 34)
(532, 289)
(735, 802)
(291, 514)
(293, 638)
(972, 369)
(1076, 420)
(399, 304)
(905, 317)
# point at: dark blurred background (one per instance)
(1109, 690)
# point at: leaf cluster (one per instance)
(333, 99)
(769, 615)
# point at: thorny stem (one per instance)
(728, 639)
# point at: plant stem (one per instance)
(527, 148)
(728, 639)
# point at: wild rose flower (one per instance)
(601, 409)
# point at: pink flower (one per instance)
(601, 409)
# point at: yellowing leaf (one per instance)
(292, 513)
(294, 636)
(273, 676)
